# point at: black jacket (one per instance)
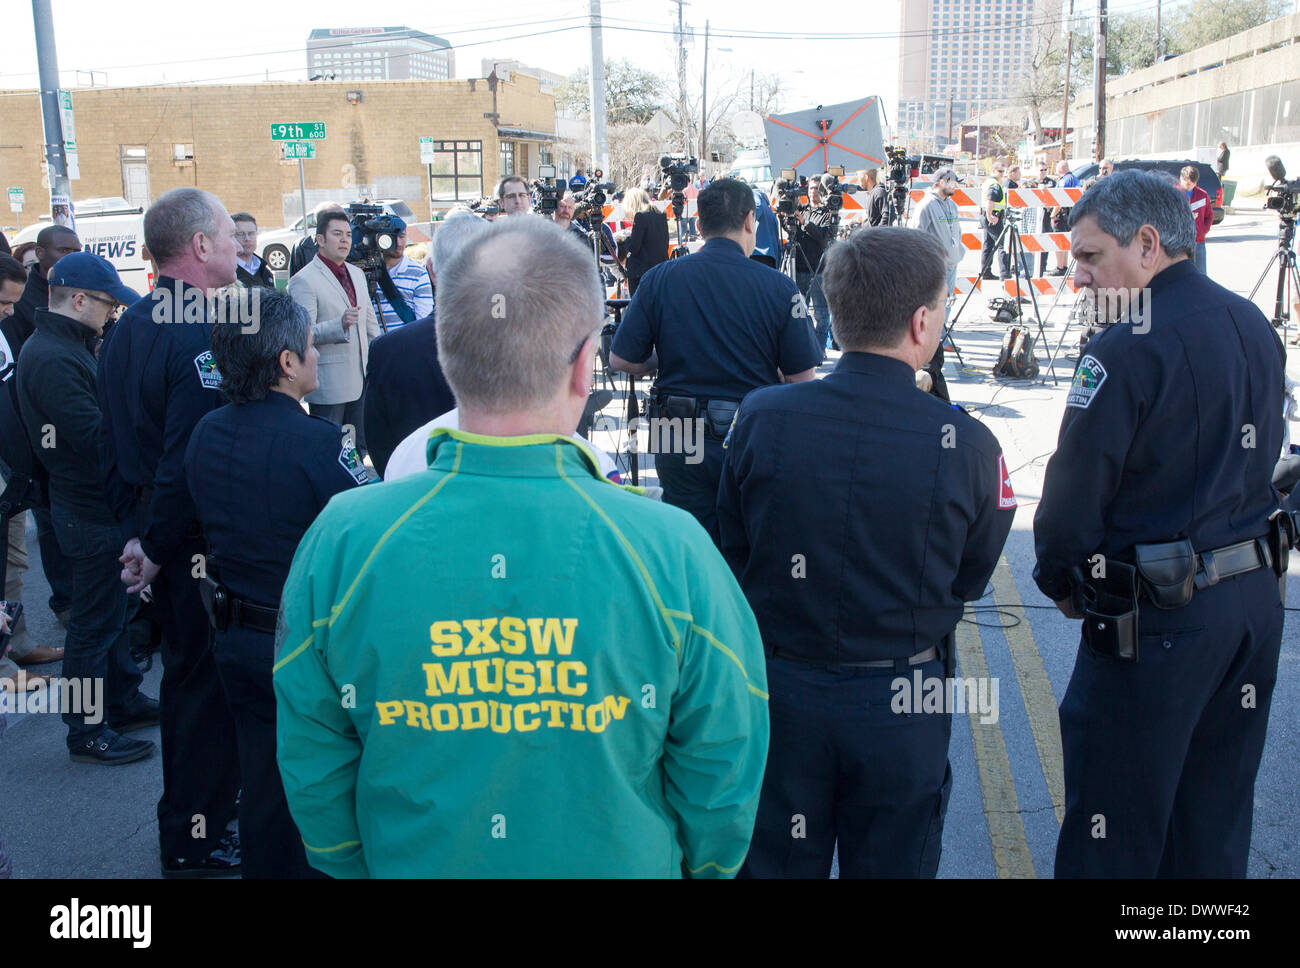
(405, 387)
(56, 393)
(262, 277)
(302, 254)
(877, 205)
(19, 327)
(648, 244)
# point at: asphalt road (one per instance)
(61, 819)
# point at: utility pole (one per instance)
(683, 112)
(1099, 86)
(1069, 55)
(47, 61)
(1159, 40)
(599, 136)
(704, 99)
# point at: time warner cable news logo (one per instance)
(102, 922)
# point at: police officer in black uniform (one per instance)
(260, 470)
(1156, 526)
(722, 325)
(859, 514)
(156, 380)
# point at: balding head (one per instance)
(515, 307)
(190, 235)
(52, 244)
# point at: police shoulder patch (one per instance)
(1088, 379)
(351, 462)
(209, 375)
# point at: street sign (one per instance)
(426, 151)
(298, 131)
(299, 150)
(69, 127)
(16, 198)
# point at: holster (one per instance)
(669, 406)
(1281, 539)
(1110, 613)
(216, 602)
(1167, 571)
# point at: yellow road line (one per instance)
(1011, 857)
(1035, 687)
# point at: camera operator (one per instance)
(877, 197)
(565, 208)
(513, 197)
(814, 231)
(722, 325)
(411, 283)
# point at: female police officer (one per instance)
(260, 470)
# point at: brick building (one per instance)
(140, 142)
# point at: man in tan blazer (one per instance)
(342, 323)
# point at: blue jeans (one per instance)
(1199, 257)
(97, 646)
(812, 292)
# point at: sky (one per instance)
(239, 41)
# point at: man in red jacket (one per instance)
(1202, 210)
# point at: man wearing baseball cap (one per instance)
(937, 215)
(412, 297)
(60, 409)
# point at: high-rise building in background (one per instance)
(379, 54)
(974, 52)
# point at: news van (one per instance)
(108, 227)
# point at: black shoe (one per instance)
(141, 714)
(111, 749)
(222, 862)
(1058, 272)
(988, 275)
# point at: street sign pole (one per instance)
(302, 193)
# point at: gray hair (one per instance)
(516, 302)
(1127, 200)
(175, 218)
(451, 236)
(248, 357)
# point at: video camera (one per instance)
(900, 172)
(485, 207)
(1283, 196)
(373, 236)
(678, 169)
(549, 190)
(790, 188)
(834, 189)
(590, 195)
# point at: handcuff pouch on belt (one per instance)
(1110, 613)
(1167, 571)
(216, 602)
(717, 414)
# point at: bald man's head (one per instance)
(52, 244)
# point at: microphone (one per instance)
(1275, 167)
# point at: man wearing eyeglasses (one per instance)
(60, 408)
(250, 270)
(513, 197)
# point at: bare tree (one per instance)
(1042, 86)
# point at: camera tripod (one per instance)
(1015, 253)
(791, 258)
(1288, 278)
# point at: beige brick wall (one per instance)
(234, 157)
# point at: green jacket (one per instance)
(509, 666)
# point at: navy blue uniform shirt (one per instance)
(156, 379)
(722, 324)
(1167, 434)
(260, 473)
(405, 387)
(859, 513)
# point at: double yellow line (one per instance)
(1011, 854)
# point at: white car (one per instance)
(276, 245)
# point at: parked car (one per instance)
(1209, 177)
(277, 244)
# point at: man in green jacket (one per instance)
(507, 665)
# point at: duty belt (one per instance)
(918, 658)
(1230, 561)
(248, 615)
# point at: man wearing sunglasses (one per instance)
(60, 408)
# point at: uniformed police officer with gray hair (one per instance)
(1158, 528)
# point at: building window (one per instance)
(507, 158)
(457, 171)
(182, 154)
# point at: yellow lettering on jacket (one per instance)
(446, 638)
(544, 631)
(512, 635)
(442, 680)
